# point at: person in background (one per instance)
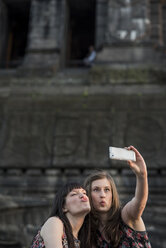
(111, 225)
(89, 60)
(66, 222)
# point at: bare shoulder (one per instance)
(52, 224)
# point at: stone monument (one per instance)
(58, 117)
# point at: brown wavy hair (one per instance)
(112, 227)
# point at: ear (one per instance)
(65, 210)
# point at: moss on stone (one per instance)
(141, 75)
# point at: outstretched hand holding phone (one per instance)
(139, 166)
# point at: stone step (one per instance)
(9, 244)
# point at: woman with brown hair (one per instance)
(111, 225)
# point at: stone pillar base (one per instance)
(42, 59)
(128, 54)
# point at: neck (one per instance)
(76, 223)
(103, 219)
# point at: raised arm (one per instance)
(132, 211)
(52, 232)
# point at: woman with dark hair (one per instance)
(66, 223)
(111, 225)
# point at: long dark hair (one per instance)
(57, 210)
(112, 227)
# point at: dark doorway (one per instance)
(164, 22)
(80, 30)
(17, 32)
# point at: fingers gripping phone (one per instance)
(121, 154)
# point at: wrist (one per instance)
(142, 175)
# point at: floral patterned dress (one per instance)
(38, 241)
(129, 239)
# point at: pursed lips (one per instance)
(84, 199)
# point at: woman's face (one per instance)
(77, 202)
(101, 194)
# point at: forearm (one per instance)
(141, 196)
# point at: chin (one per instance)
(88, 209)
(102, 210)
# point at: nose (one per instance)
(83, 196)
(102, 193)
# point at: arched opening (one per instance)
(80, 30)
(164, 22)
(16, 31)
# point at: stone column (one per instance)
(44, 33)
(128, 21)
(158, 20)
(164, 23)
(127, 34)
(101, 22)
(3, 33)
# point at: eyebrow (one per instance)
(97, 186)
(77, 190)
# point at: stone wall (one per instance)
(58, 128)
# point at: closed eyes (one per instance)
(77, 193)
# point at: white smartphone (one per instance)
(121, 154)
